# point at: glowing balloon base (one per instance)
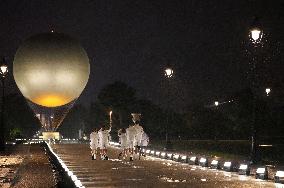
(50, 135)
(51, 117)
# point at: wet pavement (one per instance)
(147, 172)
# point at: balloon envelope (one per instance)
(51, 69)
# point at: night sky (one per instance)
(132, 41)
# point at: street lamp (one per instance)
(255, 35)
(169, 72)
(216, 104)
(3, 72)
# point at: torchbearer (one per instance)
(94, 143)
(104, 141)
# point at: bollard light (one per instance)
(203, 162)
(261, 173)
(163, 155)
(170, 156)
(193, 160)
(176, 157)
(215, 164)
(152, 152)
(244, 169)
(228, 166)
(279, 177)
(157, 154)
(184, 159)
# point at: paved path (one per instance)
(148, 172)
(26, 166)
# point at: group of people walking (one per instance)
(131, 140)
(99, 141)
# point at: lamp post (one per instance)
(3, 72)
(255, 35)
(169, 72)
(216, 104)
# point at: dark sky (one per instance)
(132, 41)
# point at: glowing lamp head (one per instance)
(192, 158)
(227, 164)
(51, 69)
(267, 90)
(3, 69)
(214, 162)
(255, 35)
(280, 174)
(216, 103)
(169, 72)
(243, 167)
(260, 170)
(202, 160)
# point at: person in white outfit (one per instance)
(130, 133)
(144, 141)
(104, 141)
(123, 143)
(94, 143)
(138, 136)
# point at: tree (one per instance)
(119, 98)
(19, 117)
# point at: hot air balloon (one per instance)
(51, 70)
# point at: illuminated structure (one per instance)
(51, 70)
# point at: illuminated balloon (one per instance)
(51, 69)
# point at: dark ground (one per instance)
(32, 171)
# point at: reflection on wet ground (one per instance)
(147, 172)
